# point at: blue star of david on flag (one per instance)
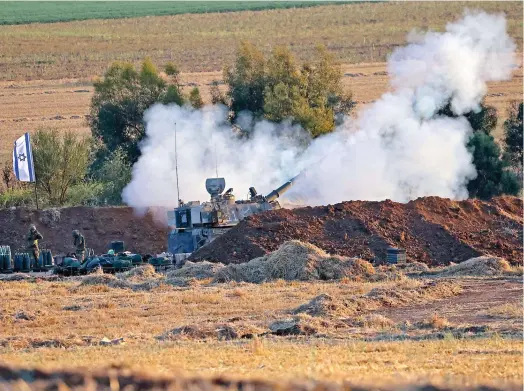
(23, 159)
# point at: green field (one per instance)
(23, 12)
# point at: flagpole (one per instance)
(36, 195)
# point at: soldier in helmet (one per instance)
(32, 243)
(80, 244)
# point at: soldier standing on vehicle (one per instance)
(80, 243)
(32, 243)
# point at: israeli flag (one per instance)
(23, 159)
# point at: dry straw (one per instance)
(295, 260)
(481, 266)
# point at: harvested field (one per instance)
(433, 230)
(161, 331)
(98, 225)
(401, 295)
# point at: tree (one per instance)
(247, 81)
(493, 177)
(513, 136)
(60, 162)
(114, 174)
(195, 99)
(323, 82)
(484, 119)
(119, 102)
(283, 83)
(277, 88)
(217, 97)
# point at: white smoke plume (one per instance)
(395, 148)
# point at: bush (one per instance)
(61, 161)
(195, 99)
(113, 175)
(84, 193)
(513, 136)
(17, 198)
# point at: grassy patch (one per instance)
(65, 11)
(506, 311)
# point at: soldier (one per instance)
(32, 243)
(80, 243)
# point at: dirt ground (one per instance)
(432, 230)
(64, 104)
(472, 306)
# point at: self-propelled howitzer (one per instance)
(195, 224)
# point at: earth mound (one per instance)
(433, 230)
(99, 225)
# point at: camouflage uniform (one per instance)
(80, 244)
(32, 243)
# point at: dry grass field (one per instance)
(58, 324)
(360, 32)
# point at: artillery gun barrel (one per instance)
(281, 190)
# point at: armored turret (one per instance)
(196, 224)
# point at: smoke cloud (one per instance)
(396, 148)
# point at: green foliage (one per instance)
(513, 136)
(84, 193)
(119, 102)
(277, 88)
(484, 119)
(247, 81)
(492, 177)
(17, 197)
(172, 70)
(113, 175)
(61, 11)
(60, 161)
(216, 95)
(195, 99)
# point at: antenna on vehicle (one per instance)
(176, 170)
(216, 160)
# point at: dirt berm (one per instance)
(98, 225)
(433, 230)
